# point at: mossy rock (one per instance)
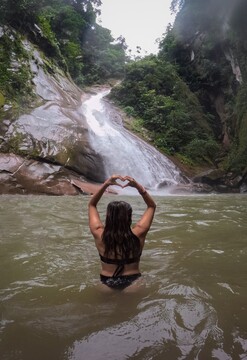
(2, 100)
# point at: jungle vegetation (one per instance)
(186, 99)
(67, 32)
(191, 95)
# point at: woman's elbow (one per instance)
(153, 206)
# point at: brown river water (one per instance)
(194, 265)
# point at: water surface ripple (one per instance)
(193, 305)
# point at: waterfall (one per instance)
(234, 64)
(123, 152)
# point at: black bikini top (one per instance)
(119, 262)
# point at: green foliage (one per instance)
(46, 30)
(20, 13)
(129, 110)
(88, 48)
(203, 51)
(15, 77)
(66, 30)
(200, 149)
(237, 159)
(2, 100)
(153, 91)
(14, 144)
(73, 55)
(241, 105)
(185, 160)
(103, 58)
(137, 126)
(65, 22)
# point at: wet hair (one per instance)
(117, 236)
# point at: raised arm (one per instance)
(95, 224)
(143, 225)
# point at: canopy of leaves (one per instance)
(207, 41)
(157, 95)
(68, 33)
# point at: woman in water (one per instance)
(119, 245)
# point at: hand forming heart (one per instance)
(124, 181)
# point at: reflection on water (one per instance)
(194, 265)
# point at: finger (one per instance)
(128, 178)
(115, 177)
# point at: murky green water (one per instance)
(194, 263)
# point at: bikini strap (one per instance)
(119, 261)
(119, 270)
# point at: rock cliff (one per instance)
(46, 147)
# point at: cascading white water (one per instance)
(123, 152)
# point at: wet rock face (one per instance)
(22, 176)
(54, 132)
(221, 181)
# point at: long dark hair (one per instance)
(117, 236)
